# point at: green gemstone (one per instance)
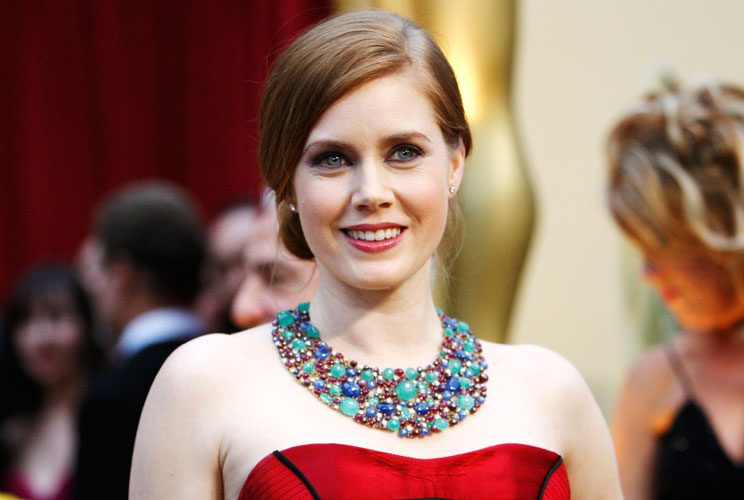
(349, 406)
(470, 340)
(469, 348)
(388, 373)
(285, 318)
(304, 306)
(368, 375)
(338, 370)
(308, 366)
(393, 424)
(312, 332)
(430, 402)
(373, 401)
(441, 423)
(411, 373)
(334, 389)
(448, 332)
(465, 402)
(455, 366)
(326, 398)
(439, 311)
(431, 376)
(298, 345)
(463, 327)
(406, 390)
(406, 412)
(476, 368)
(465, 383)
(288, 334)
(422, 386)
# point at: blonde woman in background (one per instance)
(676, 188)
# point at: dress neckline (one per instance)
(693, 405)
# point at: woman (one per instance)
(363, 139)
(49, 355)
(675, 189)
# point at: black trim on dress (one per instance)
(548, 476)
(297, 472)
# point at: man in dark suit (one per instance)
(149, 244)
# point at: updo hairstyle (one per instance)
(676, 182)
(327, 62)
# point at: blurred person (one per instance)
(274, 279)
(676, 189)
(150, 248)
(227, 237)
(369, 390)
(49, 355)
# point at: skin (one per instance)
(702, 296)
(273, 278)
(376, 308)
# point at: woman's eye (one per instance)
(332, 160)
(406, 153)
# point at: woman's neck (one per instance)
(396, 327)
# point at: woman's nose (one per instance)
(372, 190)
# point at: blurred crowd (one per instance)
(83, 341)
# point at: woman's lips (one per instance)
(373, 238)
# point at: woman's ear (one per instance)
(456, 167)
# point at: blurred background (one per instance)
(95, 95)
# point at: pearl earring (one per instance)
(292, 207)
(452, 189)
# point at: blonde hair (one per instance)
(330, 60)
(676, 178)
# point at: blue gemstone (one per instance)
(386, 408)
(351, 372)
(453, 384)
(371, 384)
(351, 389)
(447, 395)
(305, 324)
(469, 373)
(462, 355)
(483, 365)
(319, 384)
(425, 431)
(422, 408)
(402, 432)
(322, 352)
(481, 399)
(370, 412)
(463, 414)
(450, 323)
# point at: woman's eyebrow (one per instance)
(405, 136)
(327, 144)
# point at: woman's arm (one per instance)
(177, 451)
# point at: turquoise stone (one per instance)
(465, 402)
(368, 375)
(326, 398)
(406, 412)
(406, 390)
(464, 383)
(469, 348)
(334, 389)
(441, 423)
(463, 327)
(298, 345)
(288, 334)
(411, 373)
(430, 402)
(431, 376)
(455, 366)
(349, 407)
(312, 332)
(475, 367)
(393, 424)
(422, 386)
(285, 318)
(448, 332)
(388, 373)
(338, 370)
(373, 401)
(308, 366)
(304, 306)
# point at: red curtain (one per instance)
(95, 94)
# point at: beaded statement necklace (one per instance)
(416, 402)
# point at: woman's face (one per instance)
(697, 290)
(372, 186)
(49, 342)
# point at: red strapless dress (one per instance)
(337, 472)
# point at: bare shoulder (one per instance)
(651, 379)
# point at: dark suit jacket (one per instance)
(108, 423)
